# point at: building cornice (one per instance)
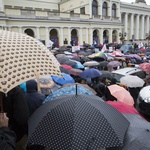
(65, 21)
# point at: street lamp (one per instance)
(122, 36)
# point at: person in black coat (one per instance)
(17, 110)
(7, 136)
(33, 97)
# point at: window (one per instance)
(104, 9)
(94, 8)
(28, 12)
(113, 10)
(82, 10)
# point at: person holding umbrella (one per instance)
(16, 107)
(7, 136)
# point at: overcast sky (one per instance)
(147, 1)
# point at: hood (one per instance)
(31, 86)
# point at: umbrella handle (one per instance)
(38, 81)
(76, 90)
(1, 103)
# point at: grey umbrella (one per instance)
(138, 133)
(77, 122)
(61, 60)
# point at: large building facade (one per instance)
(103, 21)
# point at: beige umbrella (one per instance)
(23, 58)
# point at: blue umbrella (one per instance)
(65, 80)
(78, 64)
(69, 90)
(90, 73)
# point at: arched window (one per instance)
(94, 8)
(113, 10)
(29, 32)
(104, 9)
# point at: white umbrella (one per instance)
(91, 63)
(132, 81)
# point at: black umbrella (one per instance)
(98, 58)
(138, 133)
(148, 50)
(82, 53)
(75, 58)
(78, 122)
(106, 74)
(70, 63)
(62, 69)
(84, 59)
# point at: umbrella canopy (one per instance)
(123, 108)
(71, 89)
(22, 59)
(66, 66)
(145, 67)
(82, 53)
(75, 72)
(84, 85)
(61, 81)
(132, 81)
(64, 70)
(61, 60)
(138, 133)
(114, 64)
(90, 73)
(78, 64)
(75, 58)
(70, 63)
(77, 122)
(98, 58)
(60, 55)
(90, 63)
(121, 94)
(103, 64)
(106, 74)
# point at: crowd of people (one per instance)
(19, 104)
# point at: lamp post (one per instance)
(122, 36)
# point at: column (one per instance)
(90, 8)
(101, 36)
(148, 25)
(37, 33)
(137, 27)
(62, 37)
(91, 36)
(132, 26)
(47, 36)
(69, 35)
(110, 9)
(87, 36)
(119, 13)
(126, 25)
(1, 5)
(110, 36)
(142, 28)
(118, 37)
(81, 39)
(101, 9)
